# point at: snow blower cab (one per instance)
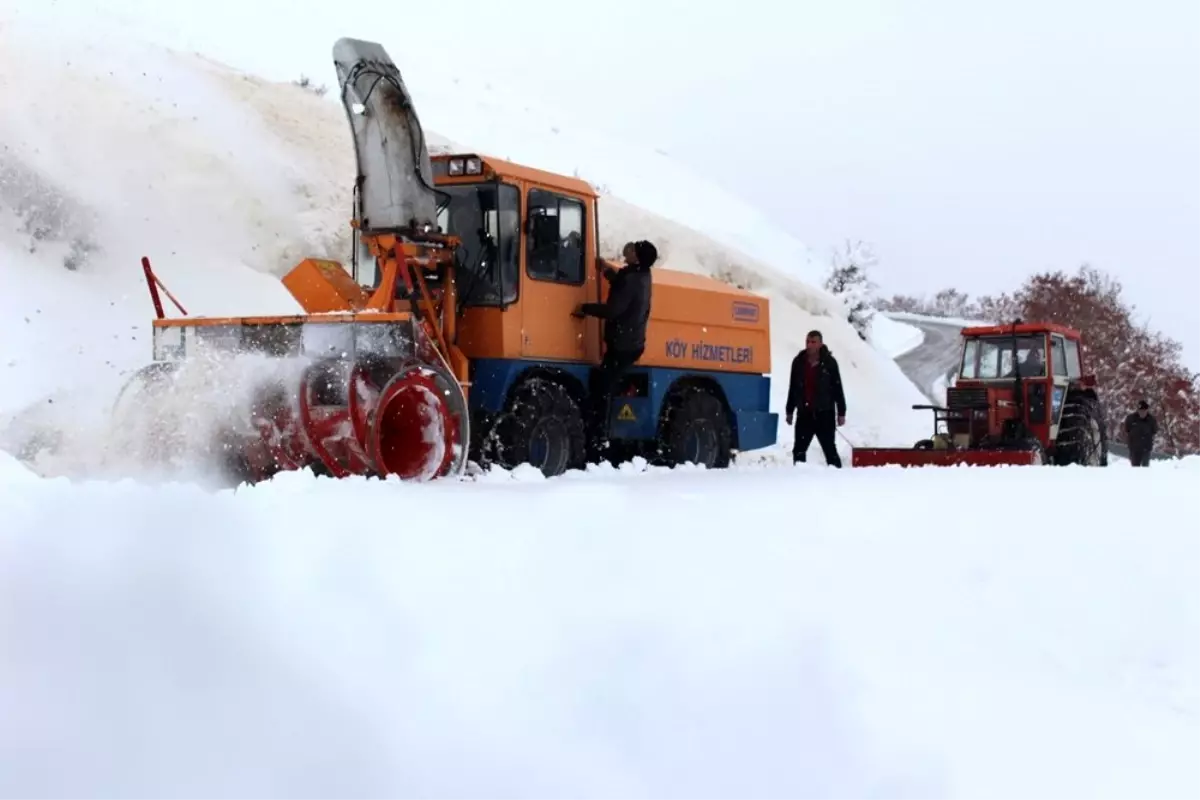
(1020, 398)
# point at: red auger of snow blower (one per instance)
(1020, 399)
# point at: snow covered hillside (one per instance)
(124, 148)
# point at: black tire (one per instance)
(541, 426)
(1082, 438)
(696, 430)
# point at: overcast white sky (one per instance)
(972, 143)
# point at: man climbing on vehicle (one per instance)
(625, 314)
(1140, 429)
(816, 400)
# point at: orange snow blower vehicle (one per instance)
(1021, 398)
(452, 336)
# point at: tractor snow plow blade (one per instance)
(912, 457)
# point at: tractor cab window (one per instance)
(486, 217)
(991, 358)
(1058, 356)
(555, 239)
(1074, 369)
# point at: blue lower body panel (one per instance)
(756, 429)
(637, 417)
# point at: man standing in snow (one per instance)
(816, 400)
(1140, 428)
(626, 314)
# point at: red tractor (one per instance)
(1021, 398)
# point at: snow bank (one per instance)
(893, 338)
(701, 637)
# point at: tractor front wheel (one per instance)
(542, 426)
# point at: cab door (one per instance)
(1060, 371)
(556, 277)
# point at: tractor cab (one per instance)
(1019, 376)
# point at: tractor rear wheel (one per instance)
(1081, 436)
(542, 426)
(697, 430)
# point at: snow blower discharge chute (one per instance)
(359, 384)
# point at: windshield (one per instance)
(991, 357)
(486, 217)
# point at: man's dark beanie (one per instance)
(646, 253)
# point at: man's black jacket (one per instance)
(1140, 432)
(627, 311)
(830, 394)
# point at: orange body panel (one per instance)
(484, 332)
(698, 322)
(320, 285)
(517, 173)
(695, 323)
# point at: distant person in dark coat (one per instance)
(626, 314)
(816, 400)
(1140, 429)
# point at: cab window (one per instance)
(1058, 356)
(991, 357)
(486, 218)
(1074, 370)
(555, 238)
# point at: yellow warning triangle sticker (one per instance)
(626, 414)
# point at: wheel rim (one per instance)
(1093, 456)
(539, 446)
(700, 441)
(547, 451)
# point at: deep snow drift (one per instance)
(746, 633)
(226, 181)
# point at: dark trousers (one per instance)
(822, 425)
(1139, 457)
(604, 382)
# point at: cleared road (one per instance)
(933, 359)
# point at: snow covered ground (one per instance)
(894, 338)
(749, 633)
